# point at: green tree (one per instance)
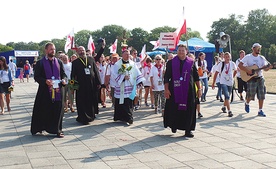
(5, 48)
(139, 38)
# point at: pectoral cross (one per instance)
(185, 75)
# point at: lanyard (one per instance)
(227, 69)
(85, 64)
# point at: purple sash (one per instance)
(181, 81)
(55, 73)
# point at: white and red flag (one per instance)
(182, 29)
(113, 47)
(155, 44)
(91, 45)
(69, 41)
(143, 52)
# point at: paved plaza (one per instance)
(244, 141)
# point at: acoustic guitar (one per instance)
(246, 77)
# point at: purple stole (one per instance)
(54, 75)
(181, 81)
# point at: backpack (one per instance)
(26, 67)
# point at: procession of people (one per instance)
(172, 88)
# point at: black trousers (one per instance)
(242, 85)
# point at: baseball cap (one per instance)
(256, 45)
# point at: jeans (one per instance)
(219, 90)
(227, 90)
(204, 83)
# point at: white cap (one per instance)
(256, 45)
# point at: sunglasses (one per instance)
(157, 59)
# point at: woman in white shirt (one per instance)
(102, 69)
(201, 63)
(157, 83)
(6, 81)
(147, 84)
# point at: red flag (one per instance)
(69, 41)
(113, 47)
(155, 44)
(91, 45)
(182, 29)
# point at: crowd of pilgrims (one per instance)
(151, 69)
(153, 85)
(122, 80)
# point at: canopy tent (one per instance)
(195, 46)
(156, 52)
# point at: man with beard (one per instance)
(180, 79)
(48, 105)
(85, 72)
(256, 84)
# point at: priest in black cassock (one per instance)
(85, 72)
(48, 106)
(180, 79)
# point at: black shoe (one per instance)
(174, 130)
(130, 122)
(189, 134)
(217, 97)
(241, 98)
(230, 114)
(223, 109)
(200, 115)
(221, 100)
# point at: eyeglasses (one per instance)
(157, 59)
(135, 53)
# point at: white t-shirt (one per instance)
(213, 71)
(157, 80)
(227, 78)
(146, 74)
(238, 70)
(109, 69)
(204, 63)
(67, 69)
(12, 66)
(102, 69)
(250, 60)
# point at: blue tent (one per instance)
(156, 52)
(195, 46)
(199, 45)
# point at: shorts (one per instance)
(4, 88)
(256, 86)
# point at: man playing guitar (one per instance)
(256, 84)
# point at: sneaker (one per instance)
(221, 100)
(200, 115)
(136, 108)
(147, 105)
(152, 106)
(223, 109)
(246, 107)
(230, 114)
(261, 113)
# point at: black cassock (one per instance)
(47, 115)
(87, 94)
(180, 119)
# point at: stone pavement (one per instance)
(243, 141)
